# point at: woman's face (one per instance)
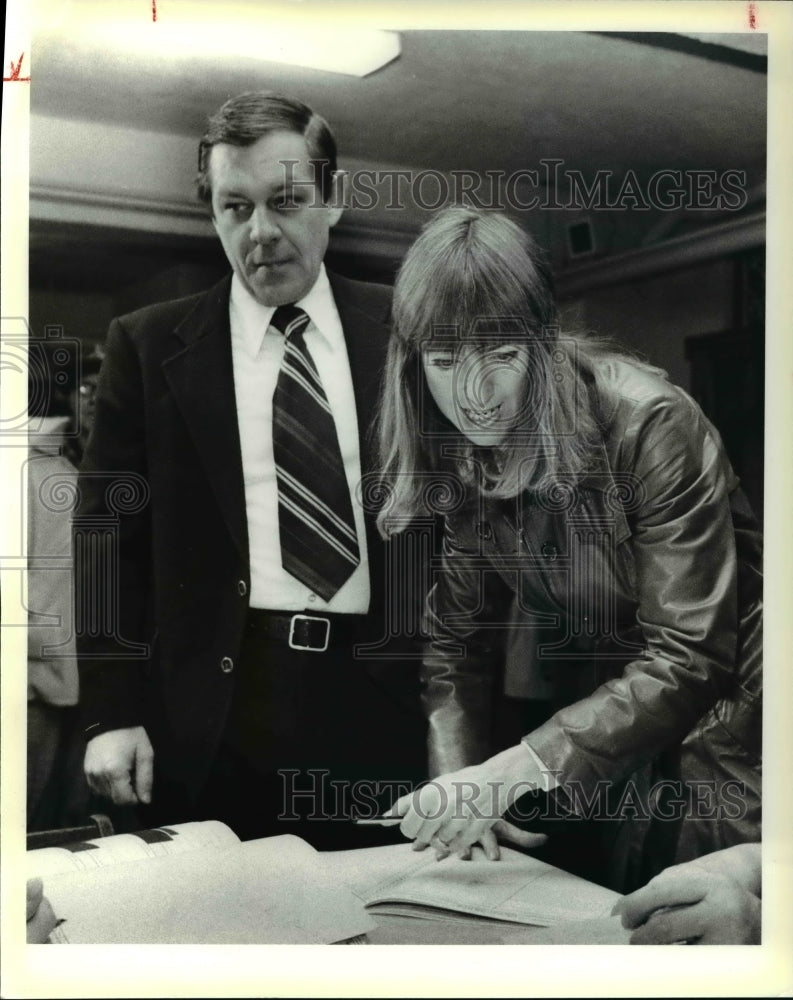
(482, 391)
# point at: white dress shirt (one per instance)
(256, 352)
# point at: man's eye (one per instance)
(289, 203)
(239, 209)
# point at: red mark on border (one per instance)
(16, 69)
(154, 10)
(752, 16)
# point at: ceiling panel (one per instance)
(467, 100)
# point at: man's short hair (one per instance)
(244, 119)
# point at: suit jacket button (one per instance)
(242, 588)
(227, 664)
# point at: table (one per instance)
(404, 930)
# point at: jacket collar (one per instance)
(366, 329)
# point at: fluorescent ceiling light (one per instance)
(355, 53)
(228, 32)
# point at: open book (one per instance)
(517, 889)
(195, 883)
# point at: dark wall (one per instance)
(684, 321)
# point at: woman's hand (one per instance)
(455, 811)
(501, 832)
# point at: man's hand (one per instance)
(457, 810)
(692, 903)
(118, 765)
(741, 863)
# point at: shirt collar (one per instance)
(250, 319)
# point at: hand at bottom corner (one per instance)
(687, 903)
(40, 917)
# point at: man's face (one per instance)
(269, 216)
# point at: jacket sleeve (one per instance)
(459, 665)
(112, 550)
(683, 547)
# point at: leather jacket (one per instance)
(640, 587)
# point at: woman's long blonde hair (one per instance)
(478, 278)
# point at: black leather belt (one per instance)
(304, 632)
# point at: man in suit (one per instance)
(223, 647)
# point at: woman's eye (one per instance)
(443, 362)
(504, 357)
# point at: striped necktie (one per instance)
(319, 544)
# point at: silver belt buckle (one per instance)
(308, 618)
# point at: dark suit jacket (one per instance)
(163, 574)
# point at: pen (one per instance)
(379, 821)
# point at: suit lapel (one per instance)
(366, 337)
(201, 377)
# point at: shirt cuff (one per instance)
(550, 779)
